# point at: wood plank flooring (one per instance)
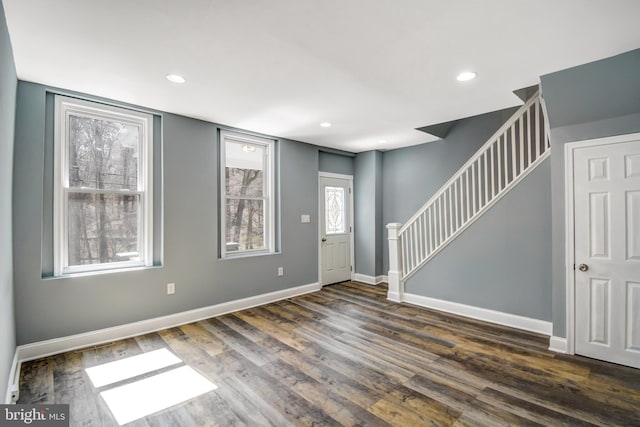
(347, 356)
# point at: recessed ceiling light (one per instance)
(466, 76)
(382, 141)
(325, 124)
(175, 78)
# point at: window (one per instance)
(103, 209)
(247, 193)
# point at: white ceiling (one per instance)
(376, 69)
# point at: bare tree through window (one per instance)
(102, 156)
(244, 216)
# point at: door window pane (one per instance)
(334, 205)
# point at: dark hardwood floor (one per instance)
(347, 356)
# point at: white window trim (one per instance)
(269, 177)
(64, 107)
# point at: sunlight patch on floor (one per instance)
(112, 372)
(133, 401)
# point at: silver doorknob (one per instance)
(324, 239)
(583, 267)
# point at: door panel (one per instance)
(599, 222)
(633, 316)
(599, 296)
(633, 226)
(632, 165)
(335, 230)
(607, 244)
(598, 169)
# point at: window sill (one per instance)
(245, 255)
(100, 272)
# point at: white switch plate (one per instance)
(305, 219)
(280, 271)
(171, 288)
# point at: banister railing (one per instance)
(507, 157)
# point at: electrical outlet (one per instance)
(171, 288)
(305, 219)
(15, 394)
(280, 271)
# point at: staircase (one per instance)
(520, 145)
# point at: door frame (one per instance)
(570, 277)
(351, 221)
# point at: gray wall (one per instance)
(594, 100)
(8, 83)
(335, 163)
(368, 213)
(379, 222)
(54, 307)
(501, 262)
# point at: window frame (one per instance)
(268, 196)
(64, 108)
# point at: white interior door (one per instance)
(335, 230)
(607, 252)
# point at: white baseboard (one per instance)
(13, 381)
(60, 345)
(558, 344)
(394, 296)
(492, 316)
(369, 280)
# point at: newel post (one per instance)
(396, 289)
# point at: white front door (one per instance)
(335, 229)
(607, 252)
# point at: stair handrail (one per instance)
(480, 152)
